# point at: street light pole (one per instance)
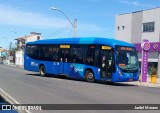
(73, 25)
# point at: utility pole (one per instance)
(73, 25)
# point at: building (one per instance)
(135, 26)
(19, 55)
(3, 54)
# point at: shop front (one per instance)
(153, 56)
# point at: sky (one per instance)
(95, 18)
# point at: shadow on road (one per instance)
(120, 84)
(82, 80)
(33, 74)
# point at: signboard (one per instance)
(64, 46)
(144, 64)
(106, 48)
(122, 48)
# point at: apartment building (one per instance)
(19, 55)
(136, 26)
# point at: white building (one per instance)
(135, 26)
(19, 55)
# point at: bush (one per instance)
(153, 71)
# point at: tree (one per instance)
(12, 51)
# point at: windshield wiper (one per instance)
(129, 68)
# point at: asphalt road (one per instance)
(29, 88)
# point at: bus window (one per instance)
(32, 51)
(90, 54)
(55, 55)
(126, 58)
(123, 59)
(77, 54)
(103, 64)
(65, 55)
(107, 66)
(97, 56)
(45, 52)
(48, 53)
(28, 50)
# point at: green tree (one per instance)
(12, 51)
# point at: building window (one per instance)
(148, 27)
(118, 27)
(123, 27)
(38, 37)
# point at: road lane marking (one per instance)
(14, 68)
(7, 97)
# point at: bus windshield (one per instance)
(127, 59)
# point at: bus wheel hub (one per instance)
(90, 76)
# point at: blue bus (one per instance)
(89, 58)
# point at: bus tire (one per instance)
(42, 71)
(89, 76)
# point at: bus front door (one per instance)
(64, 61)
(106, 64)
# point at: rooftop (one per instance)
(3, 50)
(34, 33)
(84, 40)
(140, 11)
(24, 37)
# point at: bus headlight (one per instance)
(120, 73)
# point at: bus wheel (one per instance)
(89, 76)
(42, 71)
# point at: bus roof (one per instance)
(84, 40)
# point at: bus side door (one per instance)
(64, 61)
(106, 64)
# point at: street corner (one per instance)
(149, 84)
(146, 84)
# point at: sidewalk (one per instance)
(146, 84)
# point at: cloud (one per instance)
(17, 17)
(135, 3)
(11, 16)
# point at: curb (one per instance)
(147, 84)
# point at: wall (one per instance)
(19, 58)
(152, 15)
(123, 34)
(136, 33)
(33, 38)
(133, 23)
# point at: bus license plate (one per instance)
(130, 79)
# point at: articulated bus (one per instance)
(83, 58)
